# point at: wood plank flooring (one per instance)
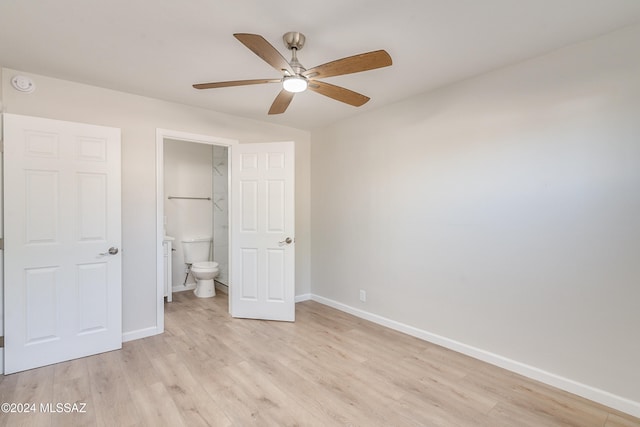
(326, 369)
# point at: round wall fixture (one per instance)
(23, 84)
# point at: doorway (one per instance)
(206, 203)
(196, 195)
(261, 235)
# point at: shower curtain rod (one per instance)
(190, 198)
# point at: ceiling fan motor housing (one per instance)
(294, 40)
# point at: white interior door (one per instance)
(262, 231)
(63, 297)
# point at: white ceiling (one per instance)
(158, 48)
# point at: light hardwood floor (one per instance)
(328, 368)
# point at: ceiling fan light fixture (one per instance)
(294, 84)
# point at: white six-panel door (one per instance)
(61, 218)
(262, 231)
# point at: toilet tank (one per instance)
(196, 250)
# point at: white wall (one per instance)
(502, 212)
(138, 117)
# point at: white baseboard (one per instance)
(222, 287)
(303, 297)
(180, 288)
(600, 396)
(140, 333)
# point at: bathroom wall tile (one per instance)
(221, 212)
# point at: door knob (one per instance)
(286, 241)
(112, 251)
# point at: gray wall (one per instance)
(502, 212)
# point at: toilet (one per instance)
(196, 255)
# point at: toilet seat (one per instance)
(204, 265)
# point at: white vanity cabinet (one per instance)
(167, 246)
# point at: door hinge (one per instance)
(1, 244)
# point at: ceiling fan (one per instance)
(296, 78)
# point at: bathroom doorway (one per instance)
(196, 194)
(192, 202)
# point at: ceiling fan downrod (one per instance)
(294, 41)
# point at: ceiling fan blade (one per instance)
(352, 64)
(338, 93)
(235, 83)
(258, 45)
(281, 102)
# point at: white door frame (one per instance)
(161, 135)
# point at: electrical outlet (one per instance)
(363, 295)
